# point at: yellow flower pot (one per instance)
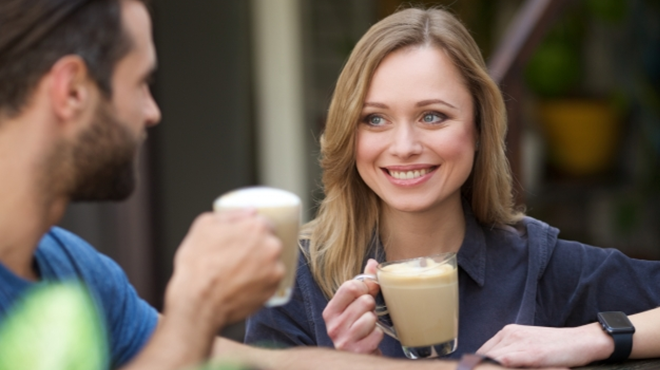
(582, 135)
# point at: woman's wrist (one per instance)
(599, 344)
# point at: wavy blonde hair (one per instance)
(340, 235)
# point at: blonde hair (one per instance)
(340, 235)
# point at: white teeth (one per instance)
(409, 174)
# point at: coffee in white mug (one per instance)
(284, 210)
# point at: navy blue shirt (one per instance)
(62, 256)
(523, 275)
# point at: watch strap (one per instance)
(622, 346)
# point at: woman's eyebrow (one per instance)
(434, 101)
(374, 104)
(422, 103)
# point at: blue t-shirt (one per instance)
(62, 256)
(523, 275)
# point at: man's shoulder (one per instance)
(62, 253)
(59, 237)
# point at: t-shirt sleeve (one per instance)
(131, 320)
(581, 280)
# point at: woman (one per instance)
(414, 164)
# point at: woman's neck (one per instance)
(415, 234)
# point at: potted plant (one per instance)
(582, 129)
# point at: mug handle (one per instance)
(382, 310)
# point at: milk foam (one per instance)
(417, 267)
(258, 196)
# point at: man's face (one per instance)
(105, 152)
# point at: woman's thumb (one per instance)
(371, 269)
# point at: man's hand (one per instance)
(534, 346)
(226, 267)
(350, 318)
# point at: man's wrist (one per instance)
(191, 309)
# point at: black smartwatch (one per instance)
(619, 327)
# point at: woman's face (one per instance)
(416, 136)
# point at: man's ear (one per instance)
(71, 87)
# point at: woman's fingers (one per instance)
(363, 336)
(371, 268)
(346, 294)
(369, 344)
(350, 319)
(363, 326)
(490, 344)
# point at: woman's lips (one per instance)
(409, 176)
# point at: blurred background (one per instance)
(244, 88)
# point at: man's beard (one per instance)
(104, 159)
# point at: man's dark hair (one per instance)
(34, 34)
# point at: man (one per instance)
(74, 107)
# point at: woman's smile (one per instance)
(411, 176)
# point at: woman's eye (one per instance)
(375, 120)
(432, 118)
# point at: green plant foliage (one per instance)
(56, 327)
(612, 11)
(553, 70)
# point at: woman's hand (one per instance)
(350, 318)
(535, 346)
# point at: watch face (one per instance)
(616, 322)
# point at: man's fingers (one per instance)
(235, 214)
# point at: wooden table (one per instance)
(650, 364)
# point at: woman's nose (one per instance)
(405, 141)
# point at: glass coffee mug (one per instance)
(284, 210)
(421, 297)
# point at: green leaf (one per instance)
(55, 327)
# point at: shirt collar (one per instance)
(472, 255)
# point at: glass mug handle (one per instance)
(382, 310)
